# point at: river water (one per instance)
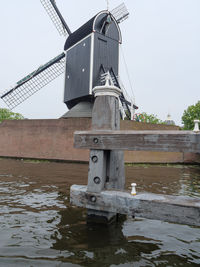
(38, 227)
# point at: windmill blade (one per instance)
(120, 13)
(56, 17)
(33, 82)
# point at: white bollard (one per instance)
(133, 191)
(196, 126)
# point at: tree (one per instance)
(190, 114)
(6, 114)
(148, 118)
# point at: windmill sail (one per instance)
(120, 13)
(56, 17)
(33, 82)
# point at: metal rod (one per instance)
(60, 16)
(107, 4)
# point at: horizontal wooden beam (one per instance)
(172, 141)
(176, 209)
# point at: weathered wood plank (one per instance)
(97, 171)
(176, 209)
(106, 168)
(172, 141)
(105, 113)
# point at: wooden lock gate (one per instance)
(104, 196)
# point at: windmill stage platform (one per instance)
(53, 139)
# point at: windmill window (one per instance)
(106, 25)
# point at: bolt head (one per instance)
(93, 199)
(96, 140)
(97, 180)
(95, 159)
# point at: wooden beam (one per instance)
(172, 141)
(176, 209)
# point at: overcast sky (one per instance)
(161, 43)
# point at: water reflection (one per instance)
(94, 245)
(161, 179)
(142, 242)
(38, 227)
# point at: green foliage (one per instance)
(190, 114)
(148, 118)
(6, 114)
(151, 118)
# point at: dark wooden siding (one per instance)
(77, 80)
(113, 30)
(106, 52)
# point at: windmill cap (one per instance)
(93, 25)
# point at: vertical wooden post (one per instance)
(106, 168)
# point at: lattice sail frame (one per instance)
(50, 9)
(34, 82)
(120, 13)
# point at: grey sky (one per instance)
(161, 43)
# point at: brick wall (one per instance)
(53, 139)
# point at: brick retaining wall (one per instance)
(53, 139)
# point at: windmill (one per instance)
(90, 53)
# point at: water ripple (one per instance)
(38, 227)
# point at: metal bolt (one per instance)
(95, 159)
(97, 180)
(96, 140)
(93, 199)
